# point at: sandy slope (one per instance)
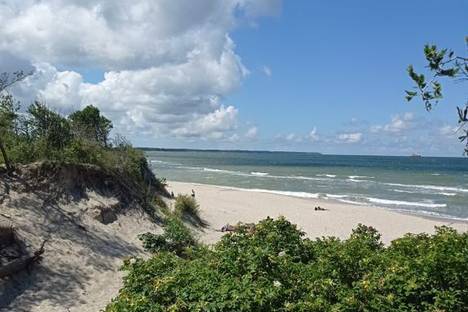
(79, 271)
(223, 205)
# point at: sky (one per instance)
(298, 75)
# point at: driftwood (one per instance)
(22, 263)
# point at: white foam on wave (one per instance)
(223, 171)
(403, 191)
(447, 194)
(156, 161)
(359, 177)
(352, 202)
(419, 192)
(356, 181)
(259, 174)
(403, 203)
(285, 193)
(326, 175)
(430, 187)
(334, 196)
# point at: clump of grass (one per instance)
(186, 207)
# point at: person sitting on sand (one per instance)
(193, 193)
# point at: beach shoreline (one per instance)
(220, 205)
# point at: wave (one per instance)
(357, 181)
(447, 194)
(416, 192)
(334, 196)
(155, 161)
(285, 193)
(259, 174)
(222, 171)
(359, 177)
(326, 175)
(352, 202)
(403, 203)
(430, 187)
(407, 192)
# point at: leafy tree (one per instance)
(442, 63)
(49, 127)
(7, 80)
(91, 125)
(8, 117)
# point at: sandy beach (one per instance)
(222, 205)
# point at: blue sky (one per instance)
(325, 76)
(332, 61)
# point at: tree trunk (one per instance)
(5, 157)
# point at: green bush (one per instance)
(176, 238)
(274, 268)
(186, 206)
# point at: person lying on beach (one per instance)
(318, 208)
(232, 228)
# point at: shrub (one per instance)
(186, 206)
(274, 268)
(176, 238)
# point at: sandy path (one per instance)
(223, 205)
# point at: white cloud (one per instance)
(168, 64)
(397, 125)
(354, 137)
(267, 71)
(448, 130)
(251, 133)
(292, 137)
(313, 136)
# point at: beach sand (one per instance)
(222, 205)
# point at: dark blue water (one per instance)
(425, 185)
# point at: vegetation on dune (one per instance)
(274, 268)
(40, 134)
(187, 208)
(176, 238)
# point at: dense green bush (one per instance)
(274, 268)
(176, 238)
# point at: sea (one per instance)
(429, 186)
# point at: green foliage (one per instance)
(91, 125)
(272, 267)
(42, 134)
(441, 63)
(176, 238)
(186, 206)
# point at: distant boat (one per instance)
(416, 155)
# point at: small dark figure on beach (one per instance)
(318, 208)
(172, 194)
(193, 193)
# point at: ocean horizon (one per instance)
(427, 186)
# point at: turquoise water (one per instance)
(428, 185)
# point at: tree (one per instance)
(91, 125)
(442, 63)
(49, 126)
(7, 110)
